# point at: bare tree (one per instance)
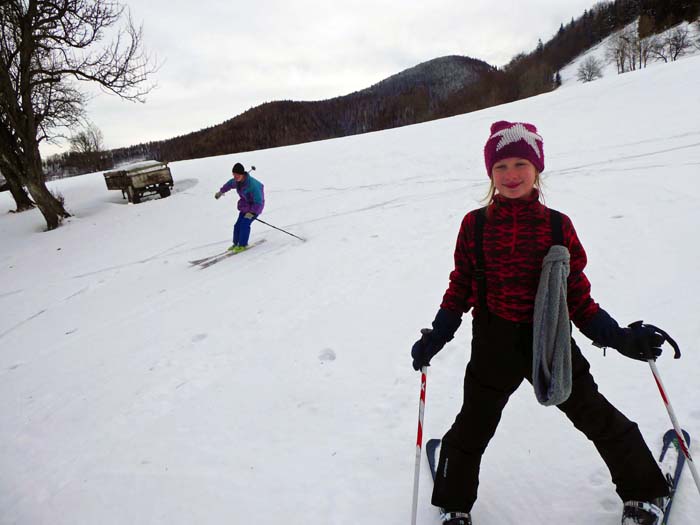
(46, 45)
(674, 44)
(619, 49)
(679, 42)
(590, 69)
(632, 39)
(87, 140)
(647, 49)
(88, 145)
(629, 52)
(639, 49)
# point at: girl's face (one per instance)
(514, 177)
(238, 177)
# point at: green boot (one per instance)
(239, 249)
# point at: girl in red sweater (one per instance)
(498, 261)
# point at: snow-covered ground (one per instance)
(276, 386)
(569, 74)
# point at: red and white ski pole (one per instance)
(676, 427)
(419, 442)
(667, 402)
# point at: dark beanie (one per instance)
(238, 168)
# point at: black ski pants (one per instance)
(501, 358)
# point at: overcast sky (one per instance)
(219, 58)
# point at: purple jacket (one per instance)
(251, 192)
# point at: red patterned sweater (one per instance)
(517, 236)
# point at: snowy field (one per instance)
(276, 386)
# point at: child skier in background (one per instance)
(250, 204)
(499, 255)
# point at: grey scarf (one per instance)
(551, 342)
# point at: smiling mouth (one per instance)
(511, 186)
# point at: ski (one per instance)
(207, 262)
(672, 461)
(432, 450)
(205, 259)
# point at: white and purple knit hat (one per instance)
(514, 139)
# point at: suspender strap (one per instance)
(479, 271)
(557, 232)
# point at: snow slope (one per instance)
(276, 387)
(569, 74)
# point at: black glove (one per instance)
(640, 341)
(433, 339)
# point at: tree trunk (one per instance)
(22, 200)
(51, 208)
(14, 183)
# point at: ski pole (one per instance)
(419, 442)
(280, 229)
(676, 427)
(667, 402)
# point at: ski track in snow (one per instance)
(21, 323)
(76, 294)
(621, 159)
(158, 255)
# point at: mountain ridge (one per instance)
(412, 95)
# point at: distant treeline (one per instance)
(436, 89)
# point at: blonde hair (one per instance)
(488, 199)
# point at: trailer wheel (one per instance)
(164, 191)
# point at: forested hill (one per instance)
(441, 77)
(414, 95)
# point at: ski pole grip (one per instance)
(667, 338)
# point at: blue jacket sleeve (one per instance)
(230, 184)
